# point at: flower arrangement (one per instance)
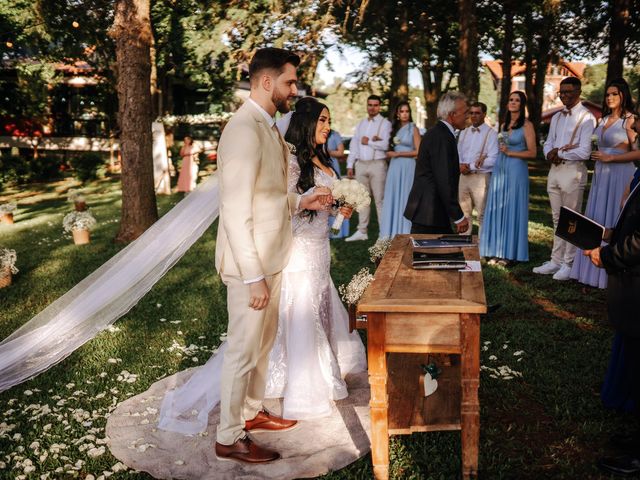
(8, 260)
(594, 143)
(348, 193)
(76, 196)
(6, 208)
(396, 140)
(378, 249)
(78, 221)
(501, 139)
(353, 291)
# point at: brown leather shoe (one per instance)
(265, 422)
(246, 451)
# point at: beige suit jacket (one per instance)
(254, 230)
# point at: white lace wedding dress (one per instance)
(313, 350)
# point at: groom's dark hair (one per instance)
(271, 59)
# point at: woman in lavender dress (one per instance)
(614, 167)
(335, 149)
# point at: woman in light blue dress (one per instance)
(613, 170)
(405, 139)
(506, 217)
(335, 149)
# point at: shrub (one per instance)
(46, 167)
(88, 166)
(14, 169)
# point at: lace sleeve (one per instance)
(294, 174)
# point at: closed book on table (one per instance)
(579, 230)
(437, 261)
(444, 241)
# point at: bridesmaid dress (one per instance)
(506, 216)
(398, 186)
(333, 142)
(609, 181)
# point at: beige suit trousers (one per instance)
(565, 186)
(472, 192)
(250, 336)
(372, 174)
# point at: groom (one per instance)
(252, 248)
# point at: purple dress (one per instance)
(609, 182)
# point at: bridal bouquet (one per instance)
(348, 193)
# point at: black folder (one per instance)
(579, 230)
(437, 261)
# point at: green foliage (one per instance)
(14, 169)
(88, 166)
(595, 77)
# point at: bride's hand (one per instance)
(346, 212)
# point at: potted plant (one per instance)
(6, 212)
(78, 199)
(79, 224)
(7, 266)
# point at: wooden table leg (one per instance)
(470, 405)
(379, 400)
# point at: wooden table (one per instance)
(409, 314)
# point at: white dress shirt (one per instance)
(473, 142)
(375, 150)
(561, 130)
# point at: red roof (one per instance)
(518, 68)
(594, 108)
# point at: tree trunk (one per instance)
(469, 81)
(432, 90)
(507, 54)
(400, 51)
(156, 89)
(618, 33)
(132, 34)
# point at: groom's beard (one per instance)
(281, 102)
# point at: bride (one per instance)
(313, 350)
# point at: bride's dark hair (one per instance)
(302, 135)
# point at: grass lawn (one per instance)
(547, 424)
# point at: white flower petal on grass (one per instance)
(119, 467)
(28, 393)
(179, 462)
(163, 319)
(518, 353)
(504, 347)
(89, 477)
(158, 305)
(493, 357)
(96, 452)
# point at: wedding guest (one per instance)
(614, 166)
(405, 142)
(478, 151)
(567, 147)
(367, 161)
(506, 217)
(433, 204)
(335, 150)
(621, 260)
(189, 168)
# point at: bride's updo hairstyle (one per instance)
(302, 135)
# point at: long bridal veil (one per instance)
(109, 292)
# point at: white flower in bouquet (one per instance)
(500, 137)
(348, 193)
(8, 207)
(8, 259)
(76, 196)
(353, 291)
(78, 221)
(378, 249)
(396, 140)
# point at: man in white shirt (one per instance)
(477, 151)
(567, 147)
(367, 155)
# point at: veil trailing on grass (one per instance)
(109, 292)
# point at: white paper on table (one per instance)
(472, 266)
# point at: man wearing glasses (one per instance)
(567, 147)
(367, 161)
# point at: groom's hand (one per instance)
(258, 295)
(320, 199)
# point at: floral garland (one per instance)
(378, 249)
(78, 221)
(353, 291)
(8, 259)
(8, 207)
